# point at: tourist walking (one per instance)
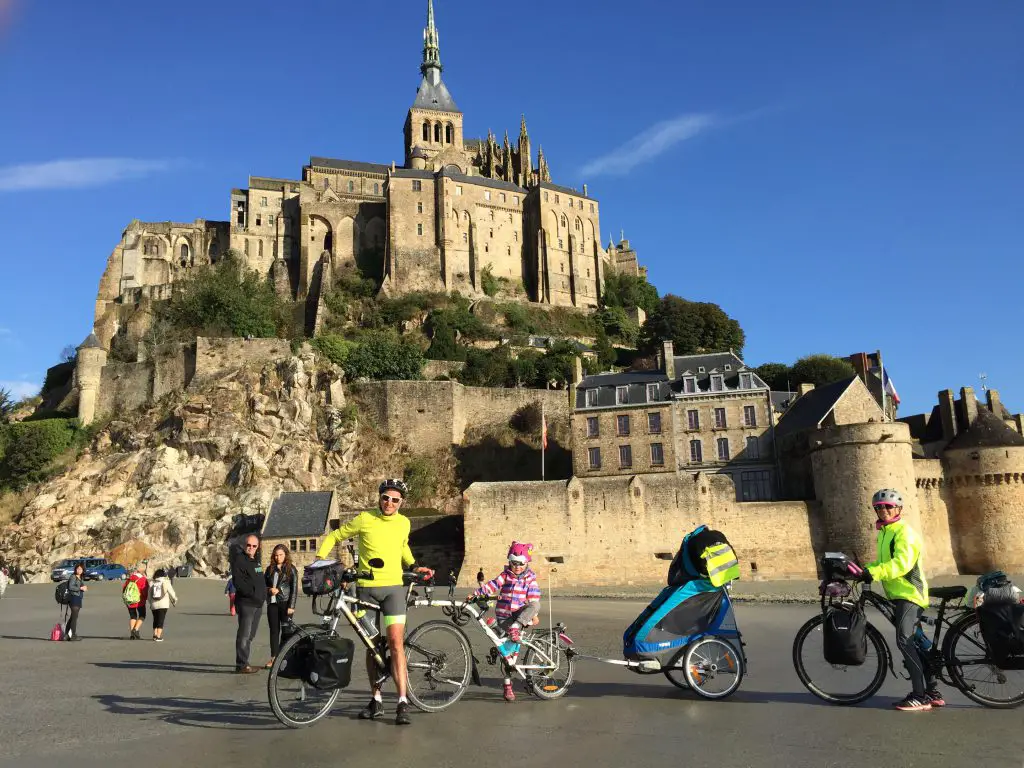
(229, 590)
(3, 581)
(135, 594)
(250, 592)
(161, 597)
(76, 588)
(282, 593)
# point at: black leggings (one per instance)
(159, 614)
(905, 619)
(277, 616)
(71, 630)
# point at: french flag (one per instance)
(889, 388)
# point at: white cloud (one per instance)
(657, 139)
(20, 389)
(76, 173)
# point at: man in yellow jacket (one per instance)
(383, 533)
(900, 570)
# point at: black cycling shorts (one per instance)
(391, 601)
(138, 613)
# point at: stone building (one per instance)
(454, 207)
(698, 413)
(299, 520)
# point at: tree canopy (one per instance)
(621, 290)
(693, 327)
(818, 370)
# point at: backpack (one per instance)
(156, 590)
(1002, 627)
(845, 636)
(700, 547)
(63, 593)
(57, 633)
(131, 594)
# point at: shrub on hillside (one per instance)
(383, 355)
(621, 290)
(335, 348)
(28, 448)
(420, 475)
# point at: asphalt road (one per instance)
(107, 701)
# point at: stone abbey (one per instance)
(454, 208)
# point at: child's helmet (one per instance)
(521, 554)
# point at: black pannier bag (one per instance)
(294, 665)
(1002, 626)
(329, 664)
(845, 636)
(322, 579)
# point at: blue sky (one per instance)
(839, 177)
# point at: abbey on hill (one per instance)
(454, 208)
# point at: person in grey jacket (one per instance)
(77, 589)
(282, 594)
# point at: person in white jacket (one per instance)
(161, 597)
(3, 581)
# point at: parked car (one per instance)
(106, 572)
(63, 570)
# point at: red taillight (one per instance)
(565, 638)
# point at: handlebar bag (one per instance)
(321, 579)
(329, 664)
(1002, 626)
(845, 636)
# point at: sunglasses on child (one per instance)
(391, 499)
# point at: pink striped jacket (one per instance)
(513, 592)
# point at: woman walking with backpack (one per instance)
(282, 592)
(161, 598)
(76, 588)
(134, 594)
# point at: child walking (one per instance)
(518, 603)
(161, 598)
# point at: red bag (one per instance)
(57, 633)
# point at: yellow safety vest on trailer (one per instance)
(723, 566)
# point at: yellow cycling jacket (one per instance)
(380, 535)
(899, 567)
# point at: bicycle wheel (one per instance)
(972, 670)
(833, 683)
(295, 703)
(713, 668)
(440, 664)
(556, 669)
(675, 670)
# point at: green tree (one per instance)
(7, 405)
(488, 282)
(775, 375)
(523, 369)
(621, 290)
(383, 355)
(693, 327)
(442, 338)
(335, 348)
(606, 355)
(618, 325)
(31, 446)
(555, 368)
(820, 370)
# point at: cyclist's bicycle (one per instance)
(961, 660)
(438, 656)
(544, 662)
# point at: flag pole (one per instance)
(881, 379)
(543, 437)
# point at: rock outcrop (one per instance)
(175, 482)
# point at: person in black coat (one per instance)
(282, 593)
(250, 592)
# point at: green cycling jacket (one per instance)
(899, 567)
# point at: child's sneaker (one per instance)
(934, 698)
(508, 693)
(914, 703)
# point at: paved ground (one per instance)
(107, 701)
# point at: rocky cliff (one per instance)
(173, 483)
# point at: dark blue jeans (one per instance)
(248, 624)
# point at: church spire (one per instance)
(431, 45)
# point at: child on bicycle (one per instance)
(518, 603)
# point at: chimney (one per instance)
(969, 406)
(577, 377)
(803, 388)
(585, 190)
(994, 403)
(947, 412)
(668, 359)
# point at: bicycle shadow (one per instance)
(194, 713)
(193, 667)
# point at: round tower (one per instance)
(849, 463)
(418, 159)
(985, 469)
(88, 372)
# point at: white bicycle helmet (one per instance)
(393, 484)
(888, 497)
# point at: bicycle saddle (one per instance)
(947, 593)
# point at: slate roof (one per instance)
(782, 400)
(564, 190)
(811, 409)
(298, 514)
(987, 431)
(431, 96)
(272, 184)
(692, 365)
(348, 165)
(412, 173)
(606, 384)
(482, 181)
(91, 342)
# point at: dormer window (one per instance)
(728, 367)
(690, 385)
(717, 383)
(700, 369)
(591, 398)
(746, 381)
(621, 395)
(652, 392)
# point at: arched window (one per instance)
(426, 130)
(376, 188)
(184, 254)
(492, 215)
(565, 221)
(213, 252)
(261, 249)
(246, 246)
(449, 134)
(579, 225)
(351, 186)
(329, 242)
(437, 132)
(465, 215)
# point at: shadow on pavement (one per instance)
(192, 667)
(206, 613)
(194, 713)
(47, 639)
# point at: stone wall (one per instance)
(935, 505)
(124, 387)
(432, 415)
(434, 369)
(215, 357)
(608, 531)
